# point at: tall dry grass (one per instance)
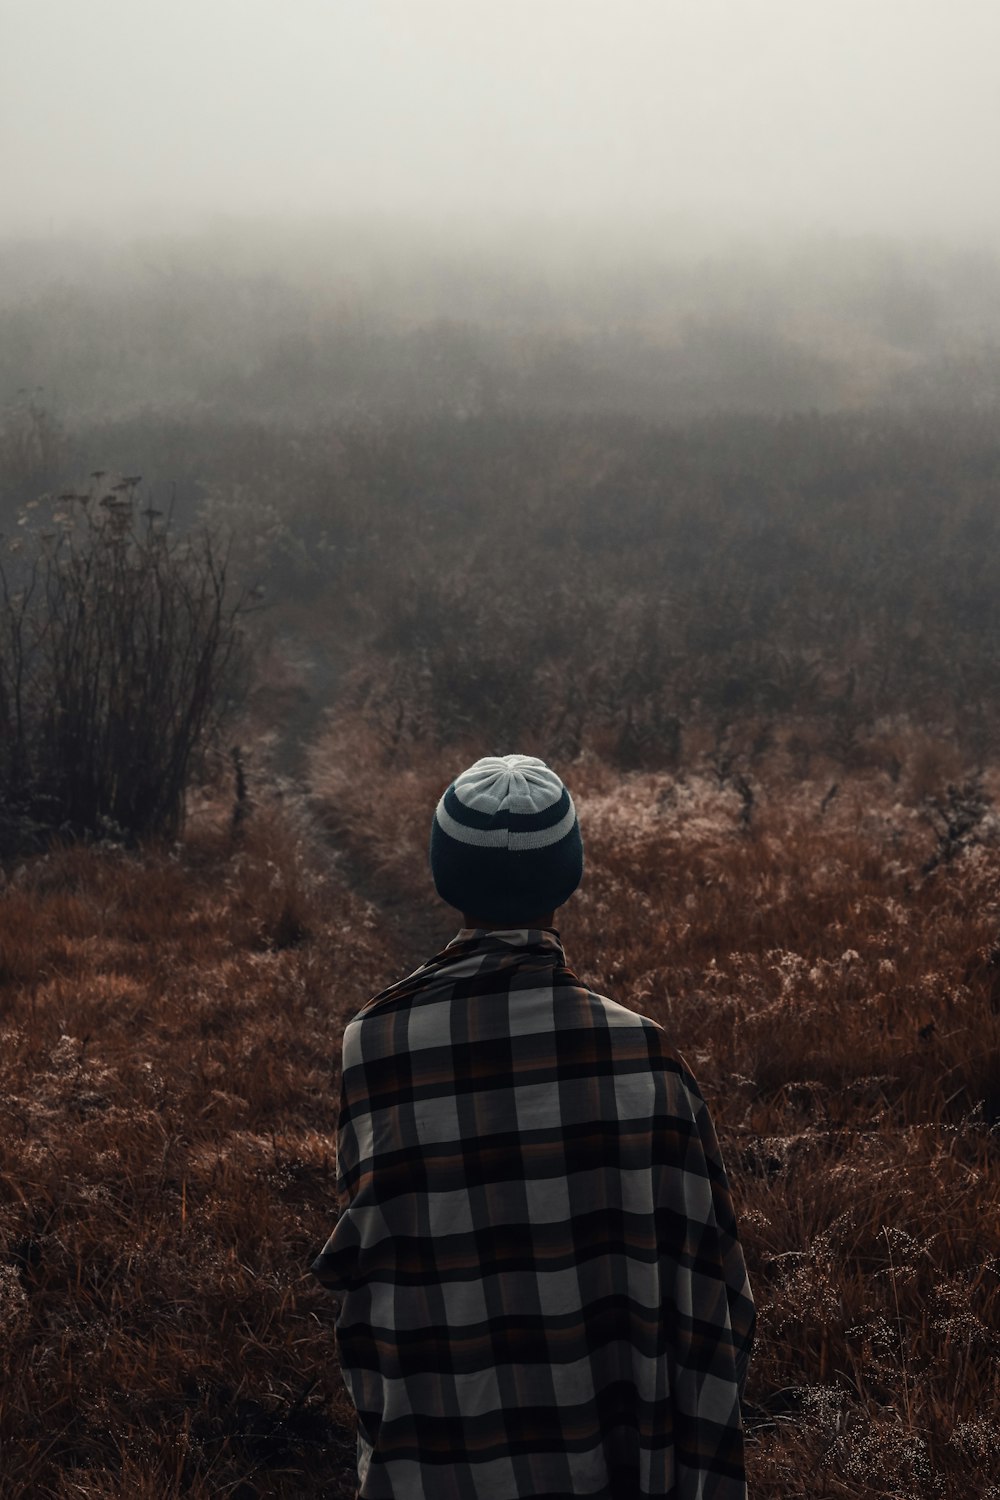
(171, 1026)
(169, 1022)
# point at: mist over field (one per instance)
(664, 209)
(354, 212)
(313, 322)
(387, 384)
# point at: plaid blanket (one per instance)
(542, 1288)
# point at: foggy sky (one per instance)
(859, 115)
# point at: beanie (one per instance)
(505, 841)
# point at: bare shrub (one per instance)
(955, 816)
(32, 449)
(121, 653)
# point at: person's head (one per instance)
(505, 844)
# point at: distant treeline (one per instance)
(651, 503)
(812, 580)
(300, 329)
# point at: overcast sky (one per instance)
(858, 115)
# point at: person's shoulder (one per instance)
(617, 1014)
(613, 1013)
(399, 992)
(373, 1031)
(661, 1050)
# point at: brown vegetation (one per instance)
(172, 1022)
(167, 1166)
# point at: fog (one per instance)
(336, 209)
(719, 116)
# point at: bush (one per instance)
(32, 450)
(121, 654)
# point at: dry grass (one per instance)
(167, 1105)
(171, 1025)
(839, 1009)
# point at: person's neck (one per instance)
(547, 919)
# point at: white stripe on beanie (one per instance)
(502, 838)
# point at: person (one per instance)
(540, 1281)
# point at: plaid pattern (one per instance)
(542, 1288)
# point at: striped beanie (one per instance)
(505, 841)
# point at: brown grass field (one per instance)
(826, 961)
